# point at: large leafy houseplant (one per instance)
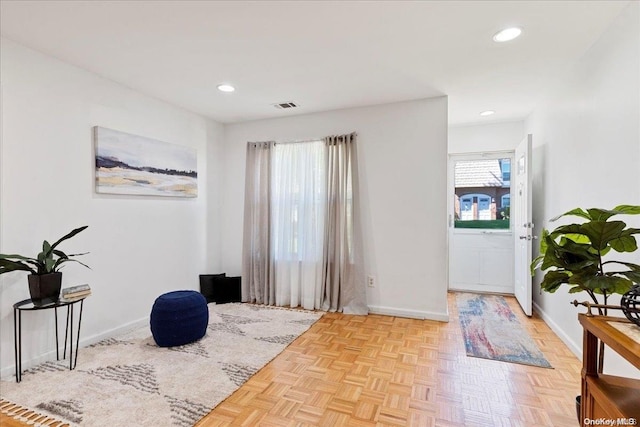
(579, 255)
(45, 267)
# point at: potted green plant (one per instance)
(579, 255)
(45, 278)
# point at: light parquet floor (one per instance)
(363, 371)
(379, 371)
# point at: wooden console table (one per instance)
(607, 396)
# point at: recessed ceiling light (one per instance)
(487, 113)
(507, 34)
(226, 88)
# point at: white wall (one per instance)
(213, 215)
(480, 138)
(587, 151)
(140, 246)
(403, 158)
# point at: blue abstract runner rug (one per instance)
(492, 331)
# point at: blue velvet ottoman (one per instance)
(178, 318)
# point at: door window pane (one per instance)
(482, 193)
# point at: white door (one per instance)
(522, 222)
(480, 225)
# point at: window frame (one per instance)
(456, 157)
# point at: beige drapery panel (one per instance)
(343, 277)
(257, 263)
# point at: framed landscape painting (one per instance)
(132, 164)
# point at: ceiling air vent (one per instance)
(285, 105)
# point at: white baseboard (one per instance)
(573, 346)
(491, 289)
(9, 371)
(412, 314)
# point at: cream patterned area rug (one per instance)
(129, 381)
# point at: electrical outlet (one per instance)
(371, 281)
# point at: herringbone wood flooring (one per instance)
(386, 371)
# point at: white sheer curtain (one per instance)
(297, 227)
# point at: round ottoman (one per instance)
(178, 318)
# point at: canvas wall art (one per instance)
(132, 164)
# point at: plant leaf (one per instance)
(631, 275)
(627, 209)
(7, 265)
(600, 233)
(49, 264)
(600, 214)
(47, 249)
(80, 254)
(70, 235)
(569, 256)
(536, 264)
(596, 214)
(60, 253)
(575, 212)
(626, 242)
(610, 284)
(63, 255)
(543, 240)
(551, 257)
(604, 214)
(632, 266)
(578, 238)
(13, 257)
(60, 261)
(553, 280)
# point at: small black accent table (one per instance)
(29, 305)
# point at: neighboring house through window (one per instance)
(482, 193)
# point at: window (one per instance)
(482, 193)
(466, 208)
(298, 200)
(505, 167)
(298, 247)
(505, 207)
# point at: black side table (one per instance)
(29, 305)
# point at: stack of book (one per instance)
(76, 292)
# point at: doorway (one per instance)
(481, 243)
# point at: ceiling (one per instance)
(322, 55)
